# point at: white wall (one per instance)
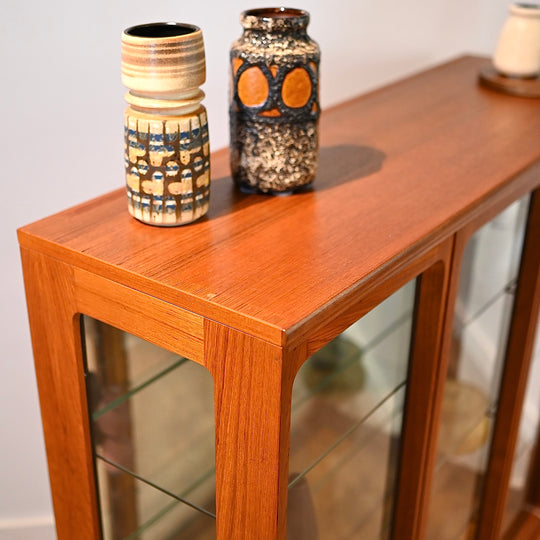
(61, 109)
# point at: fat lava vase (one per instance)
(274, 102)
(167, 154)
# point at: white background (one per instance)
(61, 140)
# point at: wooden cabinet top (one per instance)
(400, 169)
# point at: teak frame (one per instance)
(189, 291)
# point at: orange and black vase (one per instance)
(274, 109)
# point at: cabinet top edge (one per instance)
(399, 165)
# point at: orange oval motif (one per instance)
(236, 63)
(252, 87)
(296, 89)
(270, 113)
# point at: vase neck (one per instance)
(525, 10)
(174, 104)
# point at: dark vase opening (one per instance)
(278, 12)
(161, 30)
(275, 19)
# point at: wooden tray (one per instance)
(490, 78)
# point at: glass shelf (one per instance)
(346, 424)
(160, 515)
(153, 430)
(351, 485)
(111, 403)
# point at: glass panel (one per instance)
(346, 425)
(529, 430)
(481, 322)
(153, 431)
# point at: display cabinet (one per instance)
(322, 365)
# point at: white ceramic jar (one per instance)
(518, 49)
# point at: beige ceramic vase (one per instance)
(167, 153)
(518, 49)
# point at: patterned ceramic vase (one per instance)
(166, 130)
(274, 107)
(518, 49)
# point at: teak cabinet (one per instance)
(407, 174)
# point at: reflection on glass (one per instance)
(346, 426)
(153, 432)
(529, 430)
(487, 281)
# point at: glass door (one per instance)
(481, 323)
(346, 427)
(153, 433)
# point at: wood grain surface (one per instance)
(58, 355)
(400, 169)
(147, 317)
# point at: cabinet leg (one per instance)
(514, 378)
(526, 525)
(533, 481)
(253, 386)
(56, 339)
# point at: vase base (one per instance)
(166, 220)
(254, 190)
(167, 225)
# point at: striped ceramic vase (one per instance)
(167, 154)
